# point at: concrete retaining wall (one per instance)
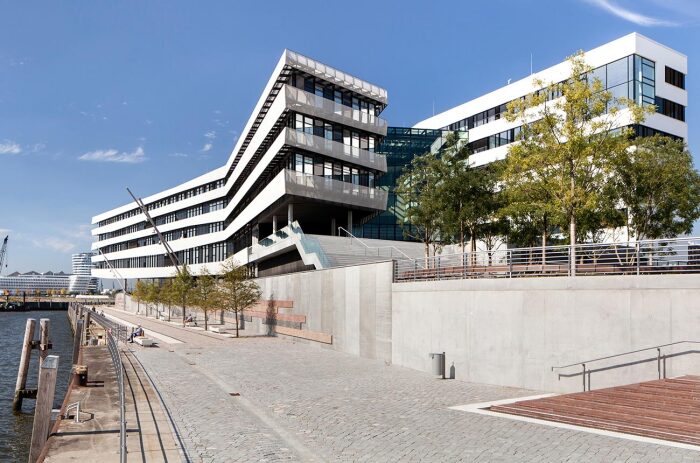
(512, 331)
(351, 303)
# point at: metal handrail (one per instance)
(114, 353)
(586, 372)
(624, 353)
(351, 236)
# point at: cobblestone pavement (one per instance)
(301, 403)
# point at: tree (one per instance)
(140, 292)
(183, 284)
(417, 188)
(659, 188)
(569, 134)
(167, 296)
(206, 294)
(153, 295)
(237, 291)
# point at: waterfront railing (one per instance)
(665, 256)
(115, 332)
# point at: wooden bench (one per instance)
(144, 341)
(192, 323)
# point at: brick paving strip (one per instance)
(298, 402)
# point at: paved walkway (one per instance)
(268, 399)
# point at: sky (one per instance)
(97, 96)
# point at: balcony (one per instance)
(314, 105)
(335, 149)
(326, 189)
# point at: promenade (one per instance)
(272, 399)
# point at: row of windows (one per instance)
(512, 135)
(670, 108)
(324, 89)
(165, 201)
(336, 170)
(123, 231)
(674, 77)
(494, 141)
(335, 132)
(208, 253)
(173, 235)
(618, 77)
(193, 211)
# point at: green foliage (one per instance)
(558, 170)
(417, 187)
(206, 294)
(183, 284)
(237, 292)
(660, 187)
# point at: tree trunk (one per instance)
(572, 243)
(206, 319)
(183, 313)
(221, 316)
(169, 312)
(235, 311)
(544, 242)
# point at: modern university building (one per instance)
(316, 161)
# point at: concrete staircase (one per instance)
(342, 251)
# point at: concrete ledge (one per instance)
(310, 335)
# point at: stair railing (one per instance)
(659, 358)
(354, 238)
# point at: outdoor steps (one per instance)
(343, 251)
(664, 409)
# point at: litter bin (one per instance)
(438, 363)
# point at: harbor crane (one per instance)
(3, 254)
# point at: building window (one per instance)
(670, 108)
(675, 78)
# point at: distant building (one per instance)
(81, 281)
(30, 282)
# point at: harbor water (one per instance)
(16, 430)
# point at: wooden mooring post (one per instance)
(21, 384)
(77, 340)
(48, 371)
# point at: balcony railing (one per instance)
(328, 109)
(335, 149)
(667, 256)
(326, 189)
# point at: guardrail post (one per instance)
(658, 361)
(584, 376)
(509, 256)
(638, 255)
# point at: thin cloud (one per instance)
(178, 155)
(10, 147)
(112, 155)
(54, 244)
(631, 16)
(211, 135)
(207, 147)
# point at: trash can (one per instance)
(80, 372)
(438, 364)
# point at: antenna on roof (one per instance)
(508, 81)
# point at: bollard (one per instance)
(44, 344)
(44, 403)
(76, 341)
(24, 364)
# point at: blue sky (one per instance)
(96, 96)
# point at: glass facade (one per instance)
(399, 146)
(630, 77)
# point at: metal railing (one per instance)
(660, 358)
(379, 251)
(113, 333)
(675, 255)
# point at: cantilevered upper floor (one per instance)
(306, 154)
